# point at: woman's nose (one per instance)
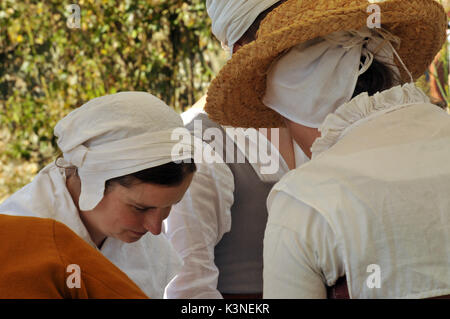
(153, 221)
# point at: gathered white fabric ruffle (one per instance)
(363, 108)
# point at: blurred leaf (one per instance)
(48, 69)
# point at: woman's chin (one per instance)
(130, 237)
(131, 240)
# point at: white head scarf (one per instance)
(314, 78)
(232, 18)
(116, 135)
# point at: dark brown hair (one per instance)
(377, 78)
(170, 174)
(250, 34)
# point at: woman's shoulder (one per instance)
(37, 197)
(100, 277)
(30, 264)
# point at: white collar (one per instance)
(363, 108)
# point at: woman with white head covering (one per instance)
(369, 206)
(116, 182)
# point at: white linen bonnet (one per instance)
(232, 18)
(117, 135)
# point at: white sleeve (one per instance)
(195, 226)
(301, 256)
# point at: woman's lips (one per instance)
(138, 233)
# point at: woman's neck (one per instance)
(284, 145)
(96, 236)
(303, 135)
(73, 184)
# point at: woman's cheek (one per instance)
(132, 220)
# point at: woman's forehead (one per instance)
(152, 195)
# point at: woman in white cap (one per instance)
(369, 208)
(116, 182)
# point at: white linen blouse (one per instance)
(197, 224)
(306, 250)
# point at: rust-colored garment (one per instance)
(35, 254)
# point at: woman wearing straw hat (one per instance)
(116, 182)
(369, 205)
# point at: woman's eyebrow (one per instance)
(144, 207)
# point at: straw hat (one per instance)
(234, 96)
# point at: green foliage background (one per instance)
(164, 47)
(47, 69)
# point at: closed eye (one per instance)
(142, 209)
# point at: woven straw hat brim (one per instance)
(234, 96)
